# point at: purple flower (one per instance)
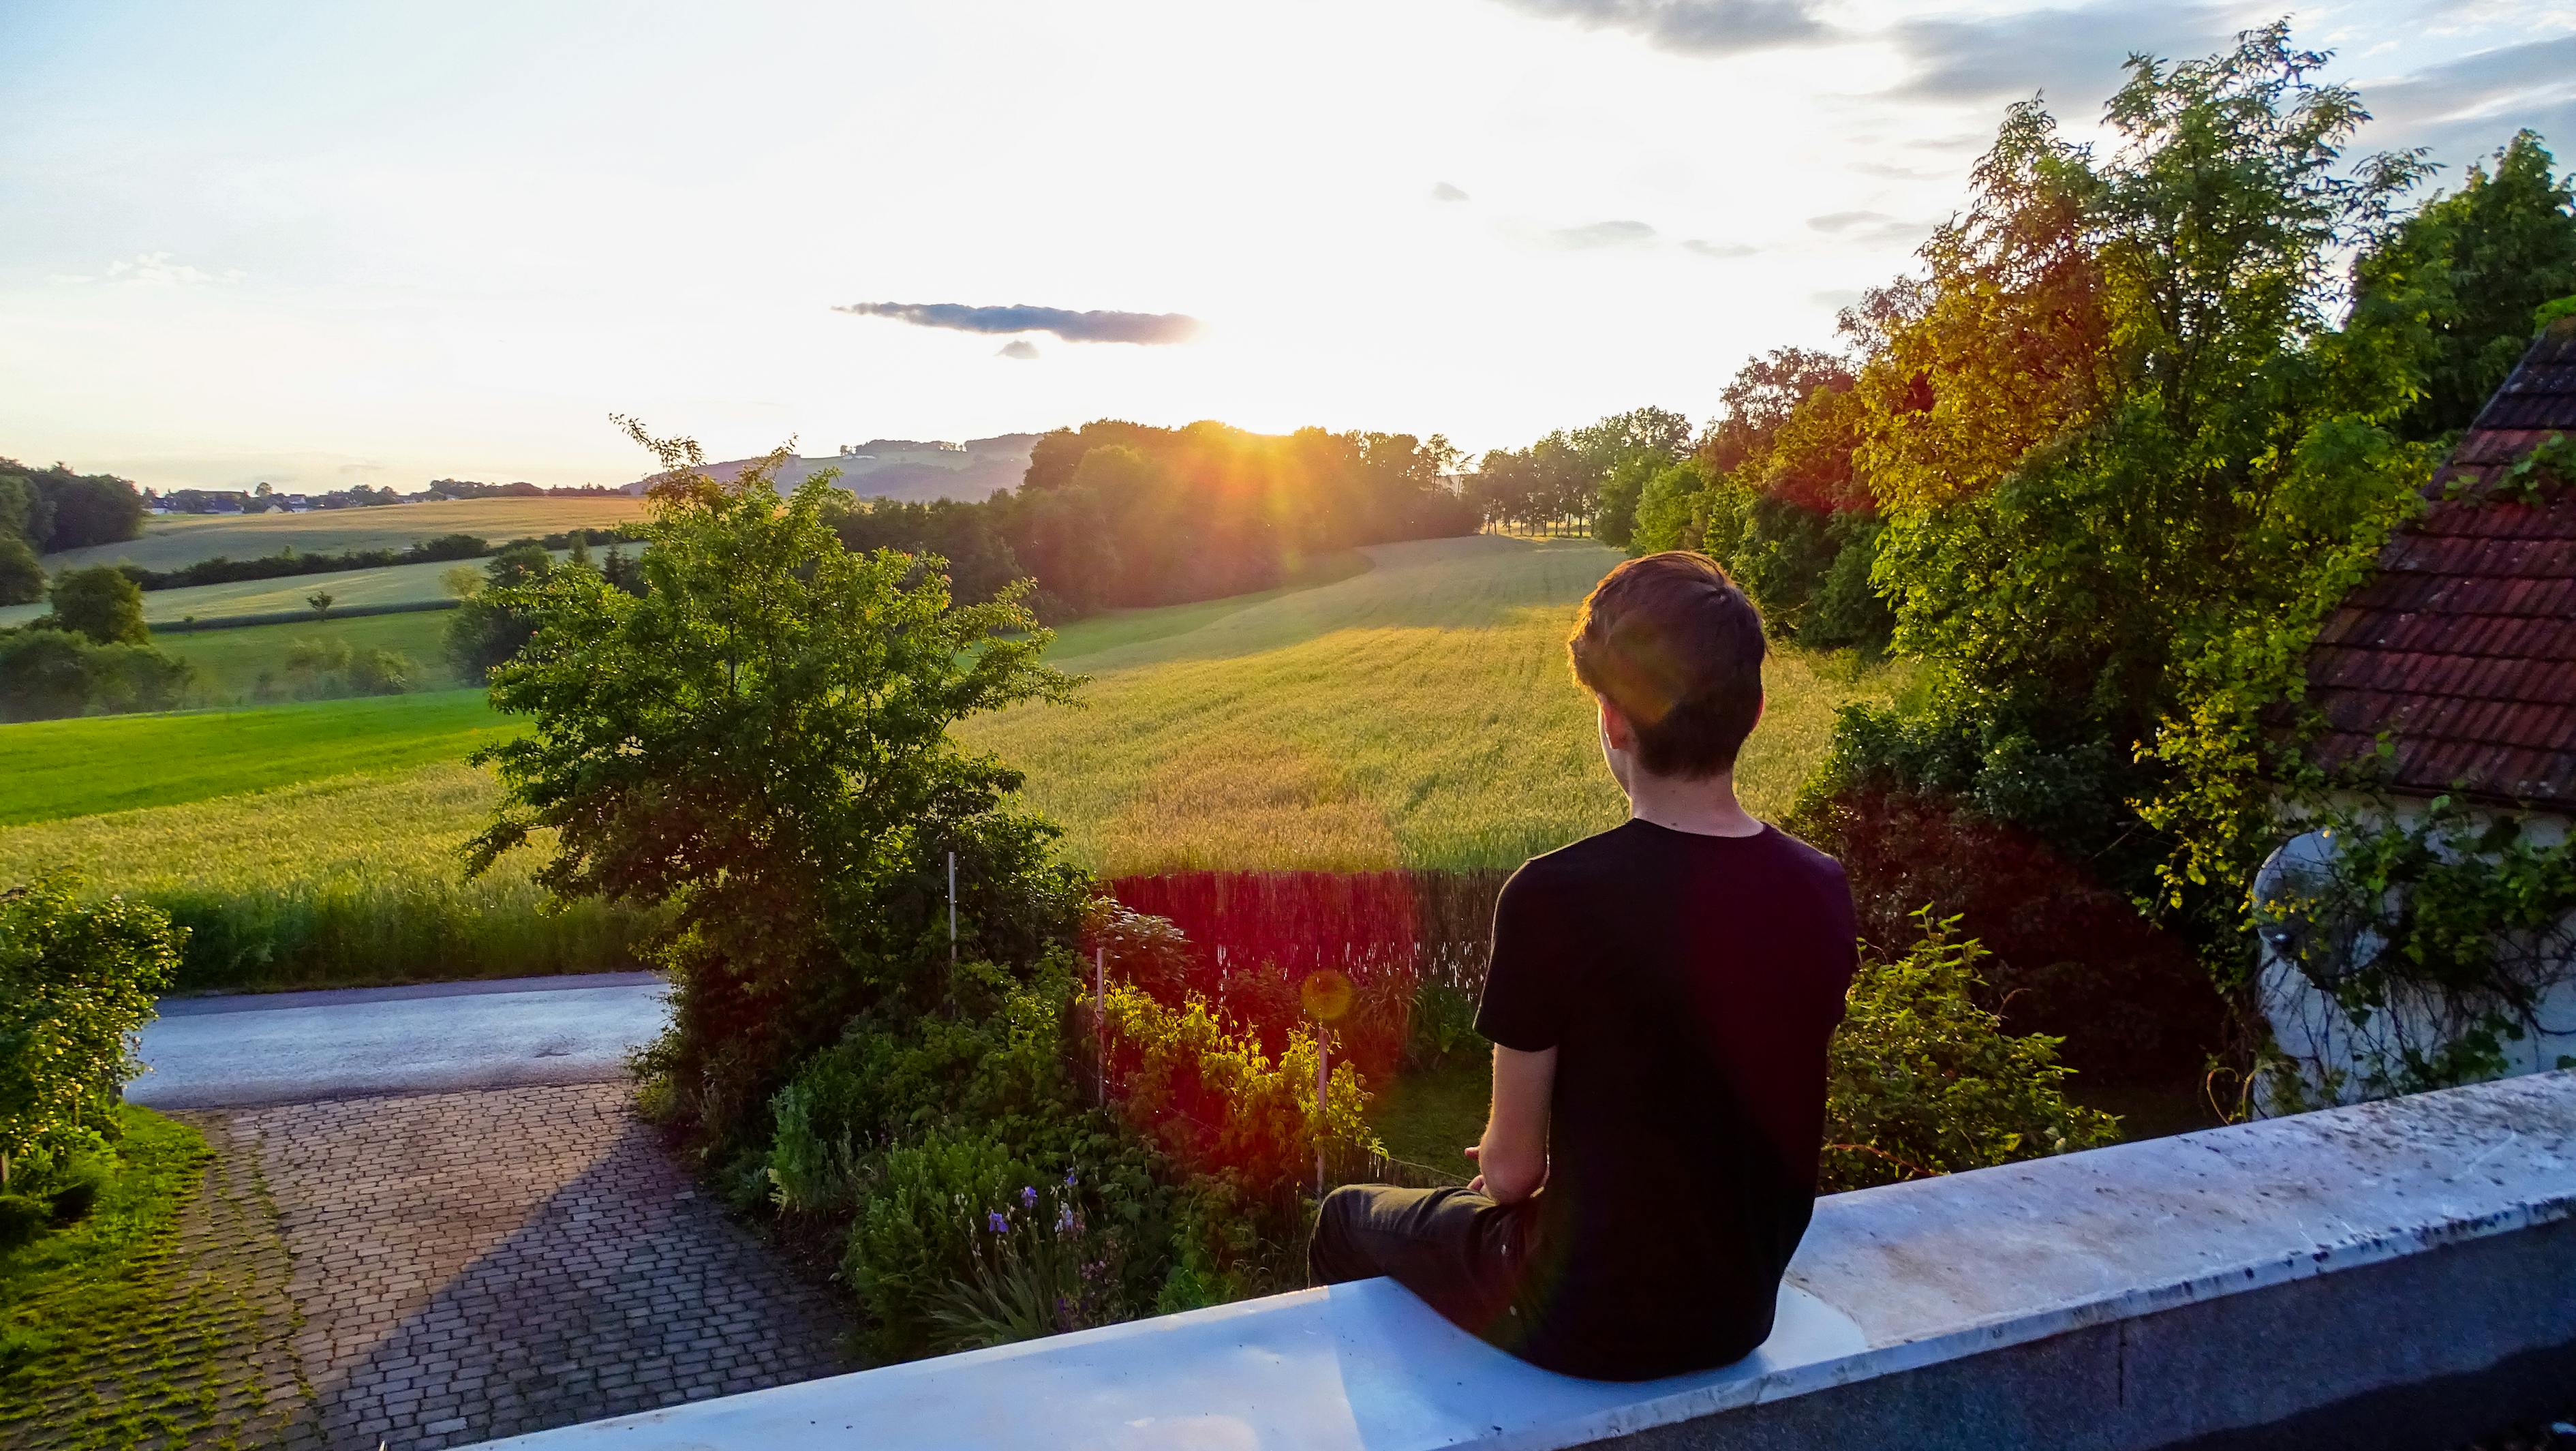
(1028, 1197)
(996, 1223)
(1069, 1179)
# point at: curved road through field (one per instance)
(299, 1047)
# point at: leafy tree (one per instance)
(759, 748)
(57, 509)
(321, 600)
(2461, 280)
(100, 602)
(76, 979)
(22, 579)
(491, 626)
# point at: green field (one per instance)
(230, 662)
(170, 541)
(66, 768)
(390, 585)
(1418, 715)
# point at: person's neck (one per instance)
(1705, 806)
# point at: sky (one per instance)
(327, 244)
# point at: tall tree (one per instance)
(2463, 277)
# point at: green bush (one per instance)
(328, 669)
(76, 979)
(22, 579)
(1922, 1081)
(47, 673)
(100, 602)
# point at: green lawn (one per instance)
(230, 662)
(1420, 714)
(178, 539)
(63, 768)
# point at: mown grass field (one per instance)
(230, 662)
(390, 585)
(170, 541)
(1420, 714)
(93, 764)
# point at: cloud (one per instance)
(148, 269)
(1444, 192)
(1837, 299)
(1021, 317)
(2068, 55)
(2470, 106)
(1601, 234)
(1870, 228)
(1693, 27)
(1720, 250)
(1019, 348)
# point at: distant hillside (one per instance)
(903, 468)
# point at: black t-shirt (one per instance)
(1689, 985)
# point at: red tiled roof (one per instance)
(2462, 648)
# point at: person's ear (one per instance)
(1615, 728)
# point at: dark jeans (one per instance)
(1462, 1253)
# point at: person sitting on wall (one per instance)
(1660, 999)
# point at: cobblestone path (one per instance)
(472, 1265)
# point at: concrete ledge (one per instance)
(2331, 1272)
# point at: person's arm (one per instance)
(1513, 1154)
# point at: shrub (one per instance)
(2071, 957)
(1923, 1081)
(48, 673)
(328, 669)
(760, 746)
(99, 602)
(1243, 1127)
(76, 979)
(22, 579)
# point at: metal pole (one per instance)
(952, 909)
(1323, 1086)
(1100, 1014)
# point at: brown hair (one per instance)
(1671, 642)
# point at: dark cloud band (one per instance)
(1073, 327)
(1698, 27)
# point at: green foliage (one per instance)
(1921, 1080)
(760, 746)
(47, 673)
(1665, 509)
(101, 603)
(2547, 469)
(1242, 1125)
(2111, 581)
(328, 668)
(22, 579)
(2456, 285)
(1597, 473)
(76, 979)
(56, 509)
(2437, 939)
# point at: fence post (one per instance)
(1323, 1087)
(952, 909)
(1100, 1014)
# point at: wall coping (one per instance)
(1888, 1280)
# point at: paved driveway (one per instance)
(263, 1048)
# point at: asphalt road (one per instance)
(298, 1047)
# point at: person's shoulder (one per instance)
(1595, 856)
(1798, 856)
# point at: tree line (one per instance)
(43, 510)
(1114, 515)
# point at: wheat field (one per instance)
(1418, 715)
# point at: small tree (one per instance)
(760, 746)
(320, 600)
(76, 981)
(100, 602)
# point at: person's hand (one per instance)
(1477, 1184)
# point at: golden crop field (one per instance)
(170, 541)
(392, 584)
(1420, 714)
(350, 879)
